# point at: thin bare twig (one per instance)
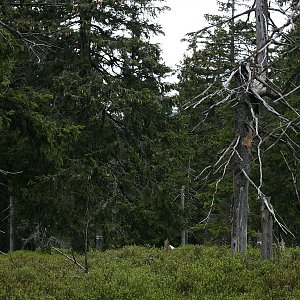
(10, 173)
(220, 179)
(269, 206)
(72, 259)
(294, 177)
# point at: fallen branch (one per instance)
(72, 259)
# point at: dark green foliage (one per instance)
(97, 123)
(85, 118)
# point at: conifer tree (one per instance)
(104, 80)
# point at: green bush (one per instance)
(190, 272)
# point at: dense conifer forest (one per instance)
(99, 150)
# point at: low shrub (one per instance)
(190, 272)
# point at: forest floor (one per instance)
(190, 272)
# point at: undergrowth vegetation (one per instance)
(190, 272)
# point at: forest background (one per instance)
(93, 142)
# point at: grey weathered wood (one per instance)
(182, 203)
(261, 15)
(243, 219)
(267, 230)
(167, 245)
(11, 224)
(241, 161)
(232, 33)
(4, 209)
(240, 221)
(99, 240)
(261, 59)
(243, 125)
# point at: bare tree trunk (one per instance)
(86, 249)
(267, 231)
(261, 13)
(242, 161)
(4, 212)
(182, 202)
(11, 224)
(232, 33)
(86, 236)
(99, 240)
(244, 132)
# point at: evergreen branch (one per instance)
(219, 24)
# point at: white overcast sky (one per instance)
(185, 16)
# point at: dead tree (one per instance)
(267, 231)
(262, 16)
(12, 227)
(5, 212)
(182, 203)
(241, 161)
(249, 86)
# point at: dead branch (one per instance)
(224, 153)
(225, 164)
(72, 259)
(255, 82)
(269, 206)
(31, 44)
(10, 173)
(294, 178)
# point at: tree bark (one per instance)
(243, 130)
(241, 162)
(267, 231)
(242, 159)
(4, 214)
(182, 202)
(11, 224)
(232, 33)
(262, 14)
(99, 240)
